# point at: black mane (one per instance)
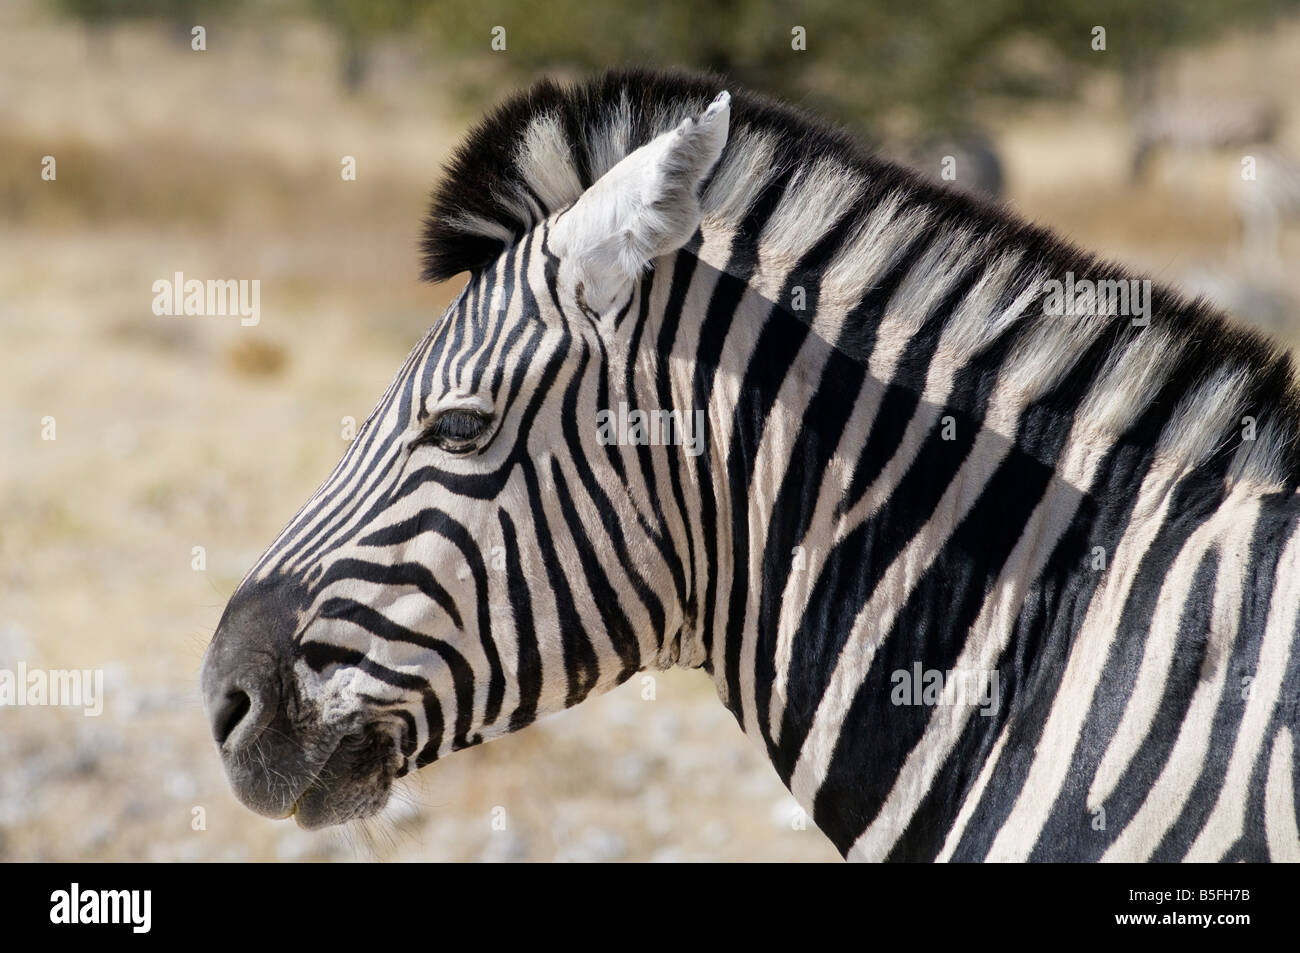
(483, 168)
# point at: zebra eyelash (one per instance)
(456, 430)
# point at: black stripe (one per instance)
(399, 574)
(435, 521)
(1069, 831)
(580, 665)
(380, 626)
(1052, 613)
(605, 597)
(528, 660)
(1279, 517)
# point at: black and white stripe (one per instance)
(919, 466)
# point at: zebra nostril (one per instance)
(232, 711)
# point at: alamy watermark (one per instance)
(216, 296)
(54, 688)
(658, 428)
(931, 686)
(130, 907)
(1107, 297)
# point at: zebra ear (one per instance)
(646, 206)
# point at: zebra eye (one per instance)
(456, 430)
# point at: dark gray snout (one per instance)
(246, 681)
(280, 756)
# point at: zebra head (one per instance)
(477, 559)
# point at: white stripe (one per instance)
(1083, 672)
(1227, 821)
(1279, 803)
(972, 800)
(1157, 655)
(874, 620)
(1165, 801)
(985, 642)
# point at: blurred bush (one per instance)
(922, 63)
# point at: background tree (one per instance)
(360, 25)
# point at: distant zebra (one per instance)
(1266, 192)
(1202, 125)
(986, 577)
(966, 160)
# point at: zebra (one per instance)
(967, 159)
(985, 581)
(1266, 193)
(1200, 125)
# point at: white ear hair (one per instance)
(645, 206)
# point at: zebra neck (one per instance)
(926, 481)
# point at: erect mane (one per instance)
(541, 148)
(537, 152)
